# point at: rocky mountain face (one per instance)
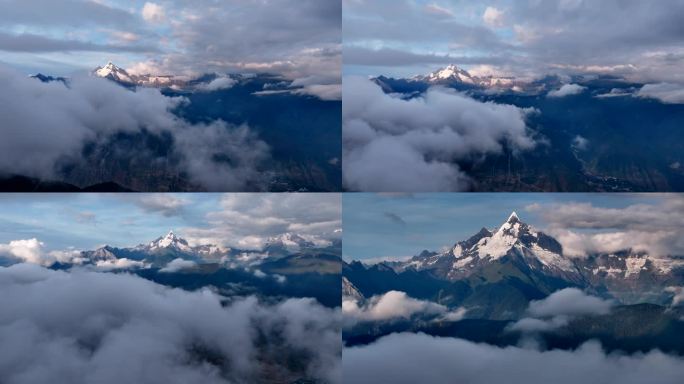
(499, 271)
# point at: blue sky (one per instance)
(392, 226)
(85, 221)
(238, 220)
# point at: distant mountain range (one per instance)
(498, 272)
(289, 265)
(165, 249)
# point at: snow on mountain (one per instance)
(349, 291)
(453, 74)
(513, 239)
(115, 73)
(170, 241)
(164, 249)
(294, 242)
(120, 75)
(517, 251)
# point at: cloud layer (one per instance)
(632, 38)
(392, 144)
(297, 38)
(584, 228)
(413, 358)
(558, 308)
(248, 221)
(82, 327)
(50, 123)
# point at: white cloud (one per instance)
(153, 12)
(33, 251)
(567, 90)
(569, 302)
(219, 83)
(423, 137)
(667, 93)
(493, 17)
(30, 250)
(396, 305)
(532, 325)
(51, 123)
(117, 264)
(167, 205)
(580, 143)
(583, 228)
(84, 326)
(418, 358)
(558, 309)
(437, 10)
(248, 221)
(678, 295)
(295, 38)
(178, 264)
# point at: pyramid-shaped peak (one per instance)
(513, 218)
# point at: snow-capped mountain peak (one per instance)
(170, 241)
(513, 240)
(513, 218)
(451, 72)
(111, 71)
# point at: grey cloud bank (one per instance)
(83, 327)
(392, 144)
(637, 39)
(413, 358)
(47, 124)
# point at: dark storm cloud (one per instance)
(83, 327)
(418, 358)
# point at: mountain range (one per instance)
(165, 249)
(289, 265)
(498, 272)
(302, 133)
(492, 278)
(606, 114)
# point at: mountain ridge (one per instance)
(519, 262)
